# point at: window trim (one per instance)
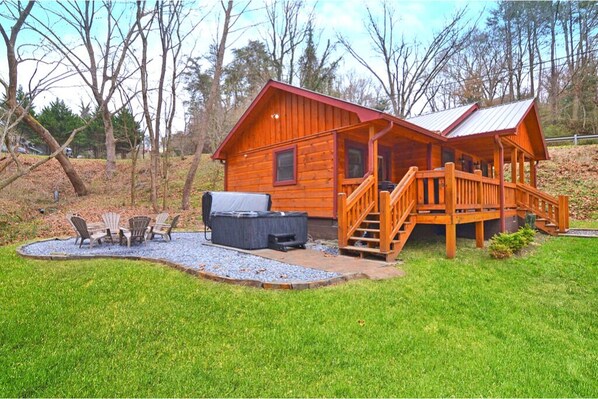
(275, 153)
(358, 146)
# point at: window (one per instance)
(285, 166)
(448, 155)
(356, 160)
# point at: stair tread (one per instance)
(371, 221)
(366, 239)
(368, 230)
(364, 249)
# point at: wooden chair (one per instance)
(69, 217)
(137, 230)
(81, 226)
(160, 224)
(111, 221)
(165, 231)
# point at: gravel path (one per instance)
(187, 249)
(582, 232)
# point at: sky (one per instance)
(417, 19)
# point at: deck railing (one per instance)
(396, 207)
(469, 191)
(353, 209)
(554, 210)
(350, 185)
(446, 191)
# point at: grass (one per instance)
(468, 327)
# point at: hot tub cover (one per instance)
(226, 201)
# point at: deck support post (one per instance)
(450, 199)
(479, 234)
(500, 154)
(451, 240)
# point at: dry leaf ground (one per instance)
(571, 170)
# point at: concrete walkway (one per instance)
(346, 265)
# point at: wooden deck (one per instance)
(379, 223)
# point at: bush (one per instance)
(503, 245)
(499, 251)
(528, 234)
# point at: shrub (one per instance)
(499, 251)
(528, 234)
(503, 245)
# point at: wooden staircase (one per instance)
(366, 238)
(552, 214)
(377, 223)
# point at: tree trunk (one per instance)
(53, 145)
(110, 143)
(209, 108)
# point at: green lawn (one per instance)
(468, 327)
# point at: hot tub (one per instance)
(250, 230)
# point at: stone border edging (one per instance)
(294, 285)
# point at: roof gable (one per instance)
(500, 118)
(364, 114)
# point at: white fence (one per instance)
(575, 138)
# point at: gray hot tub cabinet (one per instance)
(250, 230)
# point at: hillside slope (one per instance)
(572, 171)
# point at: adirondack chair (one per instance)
(111, 221)
(81, 226)
(137, 230)
(68, 218)
(165, 231)
(160, 224)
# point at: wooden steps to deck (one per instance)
(542, 224)
(366, 238)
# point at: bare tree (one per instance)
(16, 112)
(170, 21)
(103, 68)
(285, 34)
(211, 102)
(408, 67)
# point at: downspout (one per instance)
(335, 174)
(376, 137)
(501, 177)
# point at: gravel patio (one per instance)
(192, 251)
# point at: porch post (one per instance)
(514, 159)
(373, 161)
(521, 167)
(532, 173)
(501, 177)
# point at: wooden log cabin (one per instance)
(373, 177)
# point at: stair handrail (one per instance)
(536, 201)
(352, 210)
(396, 207)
